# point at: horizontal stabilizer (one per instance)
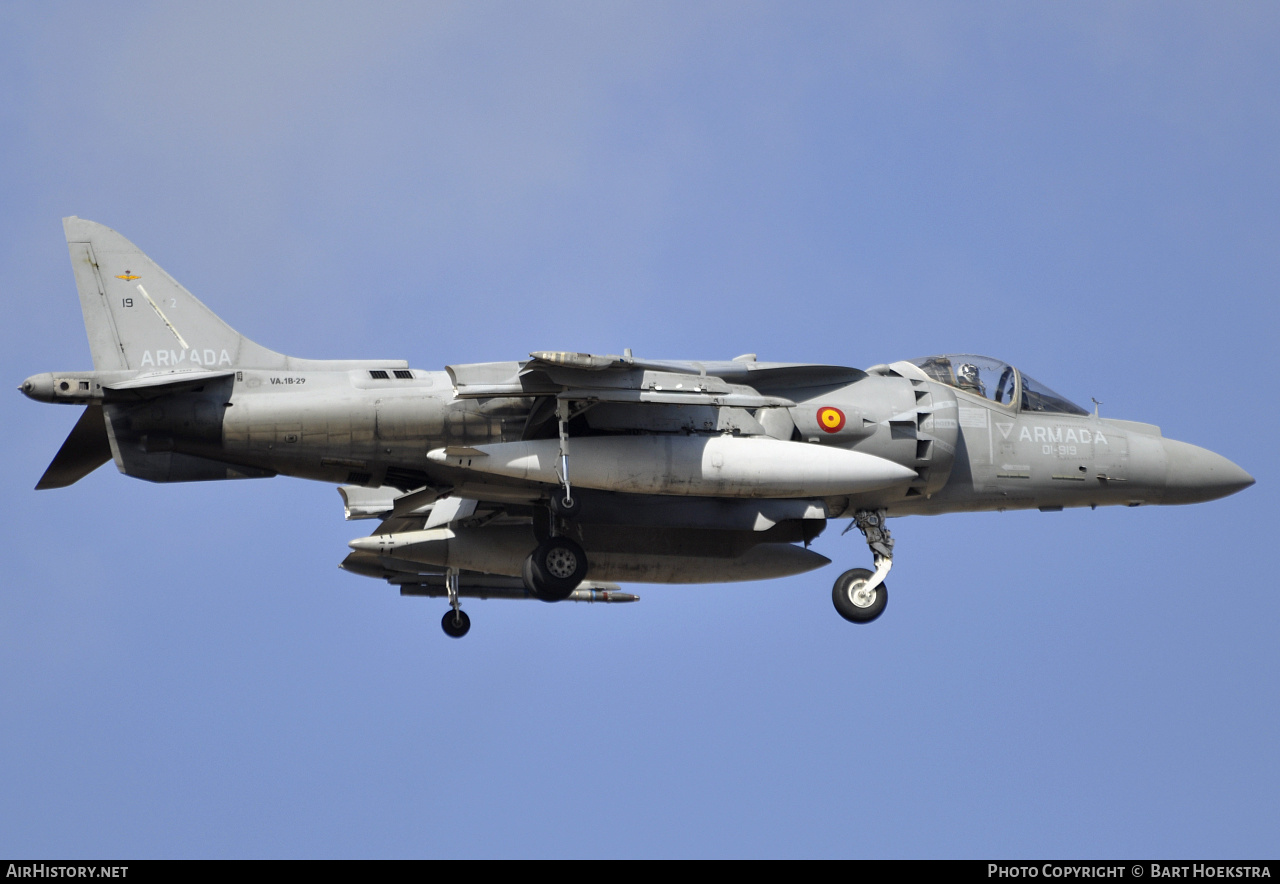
(86, 449)
(162, 384)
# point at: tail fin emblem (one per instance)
(127, 276)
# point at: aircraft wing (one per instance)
(624, 379)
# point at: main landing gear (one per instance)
(553, 571)
(860, 595)
(557, 565)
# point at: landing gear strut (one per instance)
(860, 595)
(562, 421)
(553, 571)
(456, 623)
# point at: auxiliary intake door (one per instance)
(936, 431)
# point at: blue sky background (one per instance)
(1089, 191)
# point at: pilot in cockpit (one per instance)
(968, 379)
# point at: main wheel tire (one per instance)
(852, 603)
(554, 570)
(526, 574)
(455, 623)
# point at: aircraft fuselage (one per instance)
(347, 427)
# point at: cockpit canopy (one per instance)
(995, 380)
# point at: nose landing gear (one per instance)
(860, 595)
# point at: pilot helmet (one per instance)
(969, 373)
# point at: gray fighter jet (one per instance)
(549, 477)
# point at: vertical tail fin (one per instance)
(139, 317)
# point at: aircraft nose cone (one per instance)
(1196, 474)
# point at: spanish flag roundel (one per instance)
(830, 419)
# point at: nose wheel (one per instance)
(861, 595)
(856, 598)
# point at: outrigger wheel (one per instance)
(852, 600)
(455, 623)
(553, 570)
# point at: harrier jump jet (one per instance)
(558, 475)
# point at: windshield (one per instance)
(1037, 397)
(996, 381)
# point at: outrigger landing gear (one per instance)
(456, 623)
(860, 595)
(553, 571)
